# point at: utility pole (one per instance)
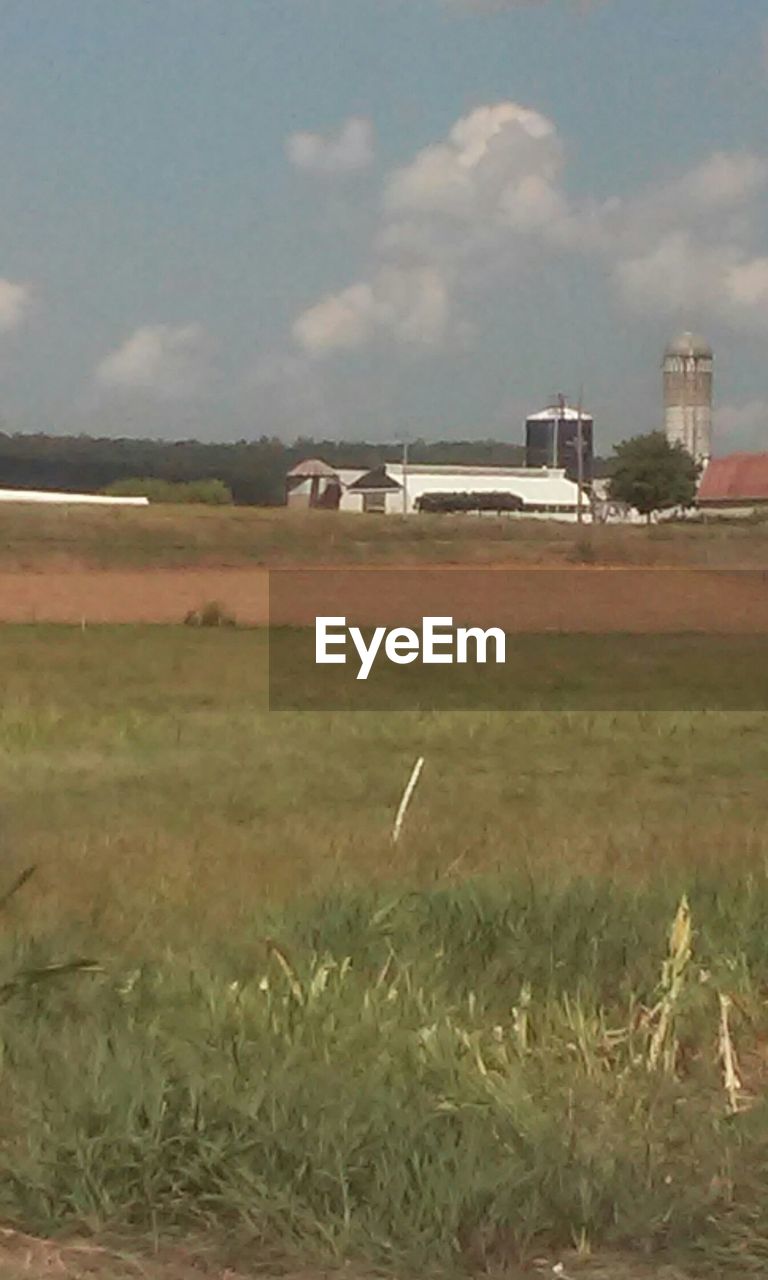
(405, 477)
(558, 430)
(579, 461)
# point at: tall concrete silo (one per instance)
(688, 369)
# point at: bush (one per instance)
(212, 493)
(584, 551)
(210, 615)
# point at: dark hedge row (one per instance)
(448, 502)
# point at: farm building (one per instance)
(392, 489)
(312, 484)
(736, 485)
(552, 440)
(688, 373)
(606, 510)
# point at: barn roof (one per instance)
(376, 479)
(312, 467)
(738, 476)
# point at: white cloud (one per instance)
(493, 177)
(488, 202)
(351, 149)
(711, 197)
(413, 304)
(342, 320)
(675, 273)
(682, 247)
(486, 166)
(161, 360)
(15, 301)
(724, 179)
(682, 273)
(746, 284)
(408, 305)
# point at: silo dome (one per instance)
(690, 345)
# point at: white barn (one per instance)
(542, 493)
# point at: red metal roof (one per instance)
(737, 476)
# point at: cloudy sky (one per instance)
(365, 218)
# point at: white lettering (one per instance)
(367, 653)
(324, 637)
(402, 646)
(481, 638)
(432, 636)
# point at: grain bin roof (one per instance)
(737, 477)
(566, 414)
(689, 344)
(312, 467)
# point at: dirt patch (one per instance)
(540, 599)
(36, 1259)
(596, 600)
(526, 599)
(130, 596)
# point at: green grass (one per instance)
(442, 1057)
(549, 672)
(176, 537)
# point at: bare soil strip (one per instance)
(131, 596)
(593, 600)
(28, 1256)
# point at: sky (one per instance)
(378, 219)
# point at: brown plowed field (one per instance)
(131, 595)
(542, 599)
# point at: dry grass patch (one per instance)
(39, 538)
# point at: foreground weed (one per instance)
(372, 1084)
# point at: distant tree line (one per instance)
(211, 493)
(253, 471)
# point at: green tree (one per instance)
(649, 474)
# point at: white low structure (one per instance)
(608, 511)
(68, 499)
(545, 493)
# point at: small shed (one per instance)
(374, 491)
(312, 483)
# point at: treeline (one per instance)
(209, 493)
(253, 471)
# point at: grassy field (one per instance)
(470, 1049)
(541, 672)
(181, 536)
